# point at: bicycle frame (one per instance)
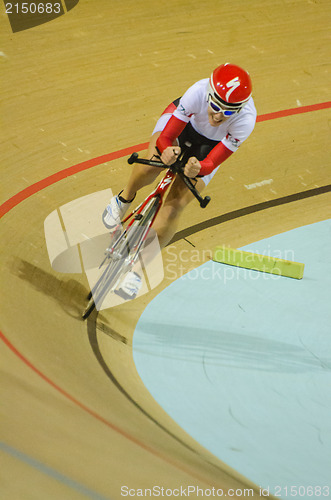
(158, 194)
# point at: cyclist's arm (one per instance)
(216, 156)
(174, 128)
(169, 134)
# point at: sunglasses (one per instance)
(218, 109)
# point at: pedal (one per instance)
(138, 216)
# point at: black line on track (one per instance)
(185, 233)
(92, 336)
(92, 320)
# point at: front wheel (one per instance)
(108, 277)
(127, 251)
(89, 308)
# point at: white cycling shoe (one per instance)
(114, 212)
(130, 286)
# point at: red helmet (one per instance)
(230, 85)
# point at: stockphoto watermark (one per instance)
(280, 491)
(185, 264)
(25, 15)
(250, 257)
(187, 491)
(78, 242)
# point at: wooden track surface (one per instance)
(91, 82)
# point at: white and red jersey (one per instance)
(232, 133)
(193, 108)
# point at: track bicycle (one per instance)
(127, 243)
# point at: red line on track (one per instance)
(101, 419)
(58, 176)
(59, 389)
(294, 111)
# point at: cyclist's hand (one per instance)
(192, 167)
(170, 155)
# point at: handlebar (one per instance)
(177, 168)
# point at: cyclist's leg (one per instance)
(178, 198)
(142, 175)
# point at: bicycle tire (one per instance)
(130, 246)
(100, 288)
(130, 243)
(89, 308)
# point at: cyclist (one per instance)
(214, 116)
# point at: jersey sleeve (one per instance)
(171, 131)
(216, 156)
(238, 132)
(189, 104)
